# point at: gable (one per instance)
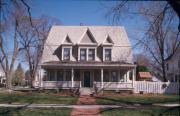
(88, 38)
(108, 40)
(67, 40)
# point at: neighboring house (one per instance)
(87, 57)
(144, 76)
(173, 67)
(2, 77)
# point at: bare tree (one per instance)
(161, 37)
(33, 39)
(9, 24)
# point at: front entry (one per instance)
(86, 79)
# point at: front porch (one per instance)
(99, 79)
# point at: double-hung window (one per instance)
(66, 55)
(83, 54)
(107, 54)
(91, 54)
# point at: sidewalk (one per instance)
(82, 106)
(88, 107)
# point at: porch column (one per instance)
(72, 77)
(102, 83)
(41, 71)
(127, 77)
(119, 75)
(133, 76)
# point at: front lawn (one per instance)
(34, 97)
(155, 111)
(141, 99)
(35, 111)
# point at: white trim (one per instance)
(72, 77)
(102, 78)
(87, 55)
(104, 53)
(107, 36)
(62, 56)
(84, 34)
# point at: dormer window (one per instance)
(83, 54)
(66, 55)
(91, 54)
(107, 54)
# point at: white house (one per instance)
(87, 57)
(173, 67)
(2, 77)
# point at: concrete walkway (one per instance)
(87, 107)
(82, 106)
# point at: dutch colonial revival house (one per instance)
(87, 57)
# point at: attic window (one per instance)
(66, 55)
(108, 54)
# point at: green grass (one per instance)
(36, 98)
(141, 112)
(35, 111)
(142, 99)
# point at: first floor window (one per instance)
(59, 75)
(68, 75)
(82, 54)
(77, 75)
(52, 75)
(107, 54)
(114, 76)
(106, 76)
(66, 54)
(97, 75)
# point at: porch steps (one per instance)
(85, 91)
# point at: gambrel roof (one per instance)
(98, 33)
(112, 36)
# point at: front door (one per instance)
(86, 79)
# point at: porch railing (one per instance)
(114, 85)
(60, 84)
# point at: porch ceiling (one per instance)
(87, 65)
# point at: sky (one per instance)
(75, 12)
(87, 12)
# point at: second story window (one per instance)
(66, 55)
(107, 55)
(83, 54)
(91, 54)
(179, 64)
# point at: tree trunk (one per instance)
(164, 72)
(9, 81)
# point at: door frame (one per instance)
(89, 77)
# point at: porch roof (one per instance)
(87, 64)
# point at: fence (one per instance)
(157, 87)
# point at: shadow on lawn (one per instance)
(6, 111)
(121, 102)
(146, 111)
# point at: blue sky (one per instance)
(74, 12)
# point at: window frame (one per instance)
(104, 53)
(70, 53)
(85, 55)
(93, 54)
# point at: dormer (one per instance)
(107, 48)
(87, 39)
(67, 49)
(87, 47)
